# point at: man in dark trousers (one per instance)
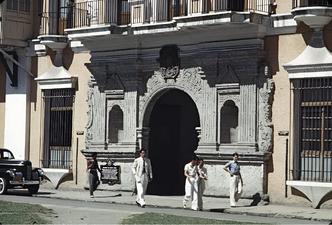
(93, 175)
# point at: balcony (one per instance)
(102, 19)
(311, 3)
(315, 13)
(124, 12)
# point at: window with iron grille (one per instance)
(58, 128)
(21, 5)
(313, 129)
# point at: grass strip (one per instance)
(159, 218)
(23, 213)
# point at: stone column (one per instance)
(208, 120)
(247, 112)
(129, 117)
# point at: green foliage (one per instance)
(22, 213)
(158, 218)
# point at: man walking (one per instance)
(93, 176)
(235, 188)
(202, 172)
(191, 186)
(143, 174)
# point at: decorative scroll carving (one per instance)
(169, 62)
(223, 98)
(89, 135)
(265, 124)
(192, 81)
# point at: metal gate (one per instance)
(58, 128)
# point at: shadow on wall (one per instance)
(326, 201)
(327, 35)
(306, 32)
(2, 83)
(298, 193)
(67, 57)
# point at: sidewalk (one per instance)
(210, 203)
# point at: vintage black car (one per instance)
(16, 173)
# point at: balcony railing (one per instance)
(308, 3)
(59, 158)
(121, 12)
(54, 23)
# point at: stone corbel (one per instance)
(316, 59)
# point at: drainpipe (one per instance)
(286, 168)
(76, 167)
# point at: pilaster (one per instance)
(248, 112)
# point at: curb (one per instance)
(228, 211)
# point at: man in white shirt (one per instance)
(191, 186)
(142, 170)
(236, 182)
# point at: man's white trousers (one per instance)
(191, 189)
(141, 185)
(235, 189)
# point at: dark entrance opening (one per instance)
(172, 141)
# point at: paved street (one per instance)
(96, 211)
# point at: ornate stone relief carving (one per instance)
(169, 62)
(265, 124)
(223, 98)
(111, 103)
(90, 100)
(189, 81)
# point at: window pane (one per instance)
(27, 5)
(22, 6)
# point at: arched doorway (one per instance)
(172, 141)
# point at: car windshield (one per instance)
(6, 154)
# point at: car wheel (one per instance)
(33, 189)
(3, 186)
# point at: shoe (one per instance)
(91, 196)
(194, 209)
(184, 206)
(200, 209)
(137, 203)
(143, 206)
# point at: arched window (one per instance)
(115, 128)
(229, 122)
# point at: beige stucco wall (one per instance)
(283, 6)
(75, 65)
(79, 70)
(279, 54)
(2, 103)
(282, 50)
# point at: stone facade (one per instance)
(220, 84)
